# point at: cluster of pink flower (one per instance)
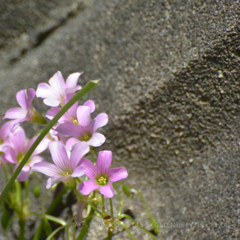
(70, 139)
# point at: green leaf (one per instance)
(5, 217)
(47, 227)
(155, 225)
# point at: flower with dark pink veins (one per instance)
(101, 176)
(56, 91)
(26, 112)
(83, 129)
(17, 149)
(64, 169)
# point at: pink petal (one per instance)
(59, 156)
(78, 152)
(45, 91)
(91, 170)
(69, 129)
(42, 146)
(52, 181)
(51, 102)
(72, 80)
(78, 172)
(100, 121)
(71, 113)
(16, 113)
(25, 97)
(46, 168)
(70, 143)
(6, 129)
(23, 176)
(58, 84)
(107, 190)
(18, 139)
(96, 140)
(104, 161)
(51, 113)
(84, 116)
(116, 174)
(87, 187)
(34, 160)
(91, 105)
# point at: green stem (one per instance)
(55, 232)
(49, 211)
(139, 226)
(111, 207)
(55, 219)
(82, 198)
(110, 234)
(88, 87)
(127, 230)
(21, 223)
(120, 199)
(86, 225)
(4, 171)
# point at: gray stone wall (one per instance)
(170, 83)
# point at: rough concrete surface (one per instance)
(170, 83)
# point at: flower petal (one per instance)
(51, 113)
(72, 80)
(69, 129)
(18, 139)
(46, 168)
(16, 113)
(87, 187)
(53, 180)
(78, 152)
(59, 156)
(107, 190)
(100, 121)
(23, 176)
(91, 104)
(25, 97)
(6, 129)
(96, 140)
(45, 91)
(51, 102)
(58, 84)
(70, 143)
(78, 172)
(91, 170)
(104, 161)
(84, 115)
(116, 174)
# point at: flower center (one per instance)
(65, 174)
(86, 137)
(75, 121)
(102, 180)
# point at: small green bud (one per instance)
(36, 191)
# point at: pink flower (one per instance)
(101, 176)
(83, 129)
(56, 91)
(64, 168)
(26, 112)
(17, 149)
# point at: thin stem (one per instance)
(139, 226)
(120, 199)
(127, 230)
(4, 170)
(81, 198)
(49, 211)
(86, 225)
(88, 87)
(110, 234)
(55, 219)
(111, 207)
(103, 207)
(55, 232)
